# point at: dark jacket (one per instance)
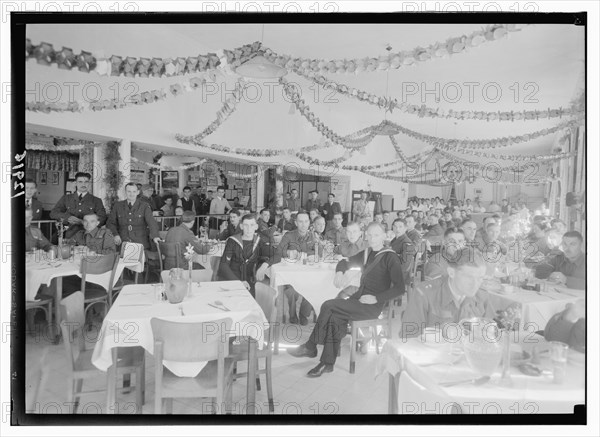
(99, 240)
(330, 209)
(238, 263)
(135, 224)
(183, 235)
(36, 209)
(34, 239)
(406, 250)
(284, 225)
(69, 205)
(230, 231)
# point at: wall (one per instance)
(359, 181)
(49, 194)
(424, 191)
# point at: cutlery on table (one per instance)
(219, 308)
(218, 302)
(181, 310)
(475, 381)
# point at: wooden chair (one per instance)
(162, 234)
(197, 275)
(45, 304)
(192, 342)
(129, 360)
(130, 252)
(171, 250)
(265, 297)
(384, 320)
(152, 263)
(215, 263)
(102, 268)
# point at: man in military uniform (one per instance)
(404, 247)
(149, 197)
(131, 219)
(31, 202)
(71, 208)
(449, 298)
(98, 240)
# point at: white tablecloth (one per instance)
(537, 308)
(215, 250)
(430, 363)
(127, 324)
(38, 271)
(314, 283)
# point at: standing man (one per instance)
(331, 208)
(186, 202)
(31, 202)
(219, 205)
(362, 210)
(71, 208)
(131, 220)
(381, 281)
(313, 202)
(149, 197)
(293, 202)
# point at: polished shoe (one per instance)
(319, 370)
(303, 320)
(303, 351)
(293, 319)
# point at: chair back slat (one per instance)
(192, 342)
(266, 298)
(72, 320)
(169, 250)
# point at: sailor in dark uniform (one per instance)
(71, 208)
(131, 219)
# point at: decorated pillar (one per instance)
(279, 190)
(124, 165)
(98, 174)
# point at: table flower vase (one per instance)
(177, 287)
(189, 292)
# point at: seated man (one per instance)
(336, 232)
(405, 249)
(231, 228)
(34, 239)
(566, 267)
(568, 326)
(264, 230)
(437, 264)
(313, 214)
(469, 229)
(435, 233)
(355, 242)
(286, 223)
(490, 245)
(449, 298)
(318, 229)
(183, 235)
(100, 241)
(243, 253)
(380, 282)
(379, 219)
(291, 245)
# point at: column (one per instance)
(124, 166)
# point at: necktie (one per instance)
(130, 205)
(80, 197)
(27, 203)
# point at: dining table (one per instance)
(313, 281)
(127, 324)
(537, 306)
(40, 269)
(445, 378)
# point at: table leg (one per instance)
(393, 393)
(251, 381)
(279, 319)
(58, 298)
(111, 380)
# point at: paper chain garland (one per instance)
(167, 167)
(422, 111)
(130, 66)
(147, 97)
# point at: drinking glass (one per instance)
(558, 353)
(481, 344)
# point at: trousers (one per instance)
(332, 324)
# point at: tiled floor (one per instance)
(335, 393)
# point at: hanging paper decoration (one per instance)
(168, 167)
(389, 104)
